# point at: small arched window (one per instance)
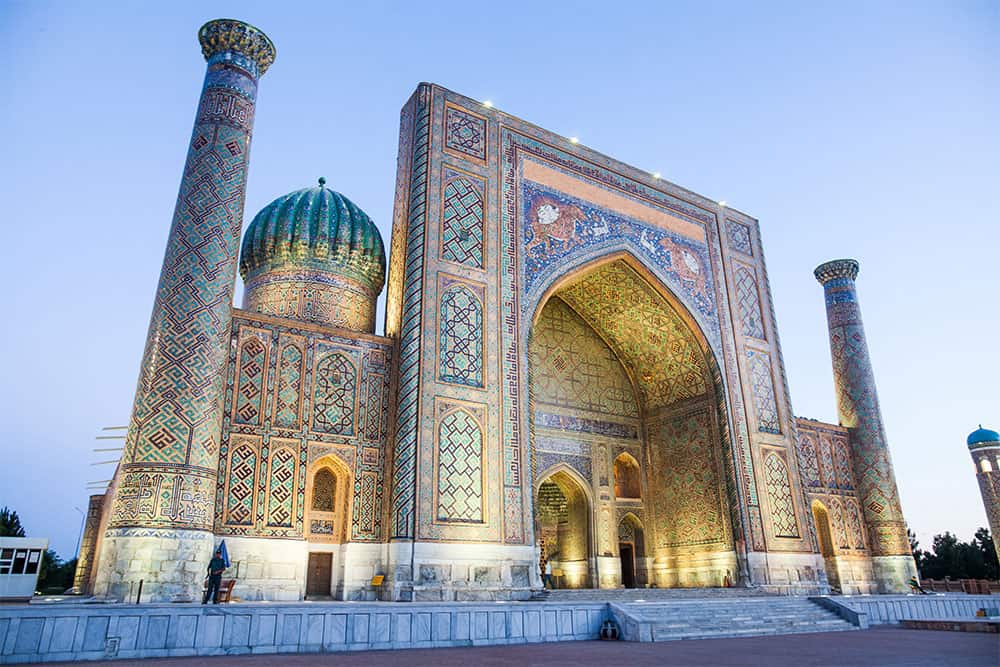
(985, 465)
(627, 482)
(324, 491)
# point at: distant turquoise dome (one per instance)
(981, 435)
(314, 228)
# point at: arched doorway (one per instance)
(632, 552)
(616, 362)
(564, 518)
(824, 535)
(327, 523)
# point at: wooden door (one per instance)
(628, 564)
(318, 575)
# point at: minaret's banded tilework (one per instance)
(859, 411)
(168, 469)
(984, 447)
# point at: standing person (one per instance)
(548, 574)
(216, 567)
(915, 586)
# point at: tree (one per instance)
(54, 575)
(10, 523)
(984, 541)
(918, 554)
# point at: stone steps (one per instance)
(734, 617)
(648, 594)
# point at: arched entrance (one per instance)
(824, 535)
(328, 500)
(632, 552)
(564, 517)
(622, 382)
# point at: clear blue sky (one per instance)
(867, 130)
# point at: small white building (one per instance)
(20, 565)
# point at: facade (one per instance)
(20, 566)
(984, 446)
(580, 366)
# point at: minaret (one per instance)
(984, 446)
(160, 529)
(858, 408)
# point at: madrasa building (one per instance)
(580, 366)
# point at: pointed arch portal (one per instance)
(625, 393)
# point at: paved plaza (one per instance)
(883, 647)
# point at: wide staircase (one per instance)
(704, 613)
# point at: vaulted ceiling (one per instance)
(644, 330)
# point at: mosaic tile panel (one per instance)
(779, 492)
(288, 397)
(842, 463)
(462, 233)
(460, 351)
(411, 207)
(808, 465)
(572, 366)
(282, 489)
(334, 400)
(739, 237)
(826, 463)
(465, 132)
(839, 524)
(687, 491)
(460, 468)
(854, 518)
(644, 330)
(748, 302)
(242, 475)
(762, 389)
(250, 387)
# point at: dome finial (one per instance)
(322, 181)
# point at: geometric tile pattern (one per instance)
(251, 382)
(334, 395)
(411, 208)
(642, 328)
(465, 133)
(779, 492)
(286, 413)
(571, 365)
(839, 524)
(808, 466)
(324, 491)
(843, 465)
(461, 347)
(762, 387)
(282, 489)
(829, 477)
(854, 518)
(460, 468)
(242, 475)
(749, 303)
(739, 237)
(462, 222)
(175, 416)
(858, 410)
(686, 490)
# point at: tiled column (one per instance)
(985, 453)
(858, 409)
(160, 530)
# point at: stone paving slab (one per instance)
(883, 647)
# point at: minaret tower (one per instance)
(984, 446)
(160, 528)
(858, 409)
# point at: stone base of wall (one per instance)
(892, 573)
(170, 563)
(442, 572)
(856, 575)
(695, 570)
(98, 632)
(789, 573)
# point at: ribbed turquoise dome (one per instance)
(314, 228)
(981, 435)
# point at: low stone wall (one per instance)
(45, 633)
(891, 609)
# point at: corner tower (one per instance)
(984, 446)
(160, 528)
(313, 255)
(859, 411)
